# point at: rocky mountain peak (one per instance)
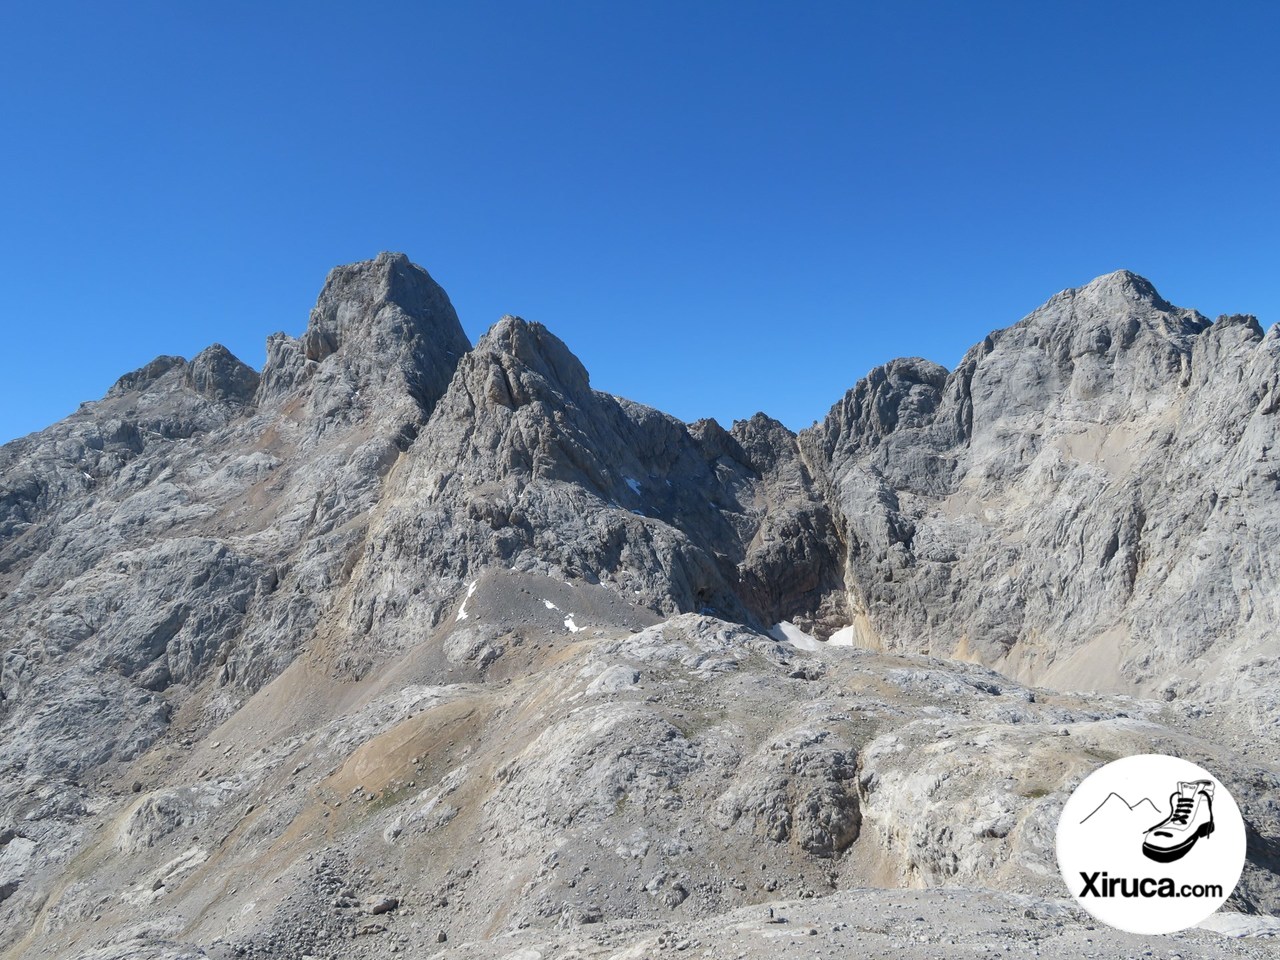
(1119, 286)
(902, 393)
(388, 295)
(763, 440)
(1246, 322)
(217, 373)
(1115, 308)
(145, 375)
(523, 361)
(382, 327)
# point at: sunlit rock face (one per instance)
(402, 639)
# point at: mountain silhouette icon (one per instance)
(1117, 808)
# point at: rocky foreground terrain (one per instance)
(405, 646)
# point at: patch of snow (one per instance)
(788, 632)
(634, 484)
(571, 626)
(462, 610)
(548, 604)
(842, 637)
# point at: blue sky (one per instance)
(720, 207)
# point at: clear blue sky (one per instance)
(720, 207)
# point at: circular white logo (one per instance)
(1151, 844)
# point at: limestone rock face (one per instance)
(404, 642)
(1085, 501)
(382, 334)
(170, 548)
(524, 466)
(217, 373)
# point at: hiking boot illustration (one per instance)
(1190, 818)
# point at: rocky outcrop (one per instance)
(402, 639)
(170, 548)
(524, 466)
(659, 777)
(1084, 501)
(383, 336)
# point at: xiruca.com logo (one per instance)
(1145, 887)
(1151, 844)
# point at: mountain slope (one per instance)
(402, 617)
(1087, 500)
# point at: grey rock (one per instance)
(380, 905)
(400, 614)
(523, 466)
(1082, 502)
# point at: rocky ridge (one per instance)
(404, 637)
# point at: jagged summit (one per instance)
(524, 361)
(373, 298)
(390, 321)
(407, 638)
(382, 330)
(215, 373)
(1123, 283)
(147, 374)
(1119, 289)
(1120, 303)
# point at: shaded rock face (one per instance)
(395, 600)
(383, 335)
(524, 466)
(216, 373)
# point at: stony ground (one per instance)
(915, 924)
(617, 789)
